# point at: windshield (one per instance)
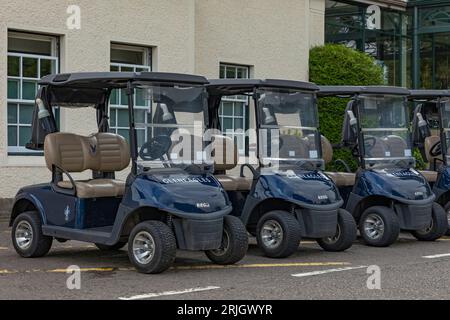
(288, 124)
(170, 131)
(445, 104)
(385, 128)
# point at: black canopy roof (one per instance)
(226, 87)
(352, 90)
(113, 80)
(428, 94)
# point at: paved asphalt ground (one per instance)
(406, 273)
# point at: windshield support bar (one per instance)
(443, 134)
(133, 134)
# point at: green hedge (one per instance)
(334, 64)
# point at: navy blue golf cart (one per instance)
(169, 199)
(388, 194)
(285, 196)
(431, 128)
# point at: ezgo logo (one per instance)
(202, 205)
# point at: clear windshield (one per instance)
(170, 131)
(288, 128)
(385, 128)
(446, 126)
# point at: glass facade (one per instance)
(413, 44)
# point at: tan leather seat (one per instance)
(431, 176)
(341, 179)
(223, 161)
(104, 152)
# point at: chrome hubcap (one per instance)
(271, 234)
(143, 247)
(374, 226)
(335, 238)
(224, 245)
(24, 235)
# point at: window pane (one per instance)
(231, 73)
(13, 89)
(123, 98)
(140, 98)
(126, 69)
(25, 113)
(142, 69)
(42, 47)
(238, 109)
(47, 67)
(29, 90)
(113, 97)
(140, 137)
(227, 123)
(12, 113)
(12, 136)
(124, 133)
(112, 117)
(222, 72)
(24, 136)
(242, 73)
(122, 118)
(227, 108)
(30, 67)
(238, 123)
(139, 116)
(114, 68)
(127, 56)
(14, 66)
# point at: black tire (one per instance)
(447, 211)
(290, 234)
(164, 250)
(39, 245)
(234, 242)
(345, 234)
(438, 227)
(103, 247)
(389, 221)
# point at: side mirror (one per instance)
(353, 122)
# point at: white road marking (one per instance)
(437, 256)
(316, 273)
(168, 293)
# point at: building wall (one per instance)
(187, 36)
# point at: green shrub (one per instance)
(334, 64)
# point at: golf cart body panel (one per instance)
(385, 158)
(194, 203)
(308, 193)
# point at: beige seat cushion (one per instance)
(431, 176)
(342, 179)
(97, 188)
(233, 183)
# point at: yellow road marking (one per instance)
(198, 267)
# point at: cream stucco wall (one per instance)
(188, 36)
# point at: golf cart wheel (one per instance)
(27, 237)
(437, 228)
(234, 242)
(103, 247)
(345, 234)
(152, 247)
(278, 234)
(379, 226)
(447, 211)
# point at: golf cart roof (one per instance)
(227, 87)
(352, 90)
(113, 80)
(428, 94)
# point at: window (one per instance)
(30, 57)
(234, 109)
(129, 59)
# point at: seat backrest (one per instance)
(106, 152)
(428, 144)
(397, 145)
(221, 148)
(327, 150)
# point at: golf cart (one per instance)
(287, 196)
(169, 199)
(431, 127)
(388, 193)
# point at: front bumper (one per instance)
(200, 235)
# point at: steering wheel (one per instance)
(369, 143)
(436, 149)
(302, 163)
(155, 148)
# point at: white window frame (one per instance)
(147, 67)
(54, 57)
(235, 100)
